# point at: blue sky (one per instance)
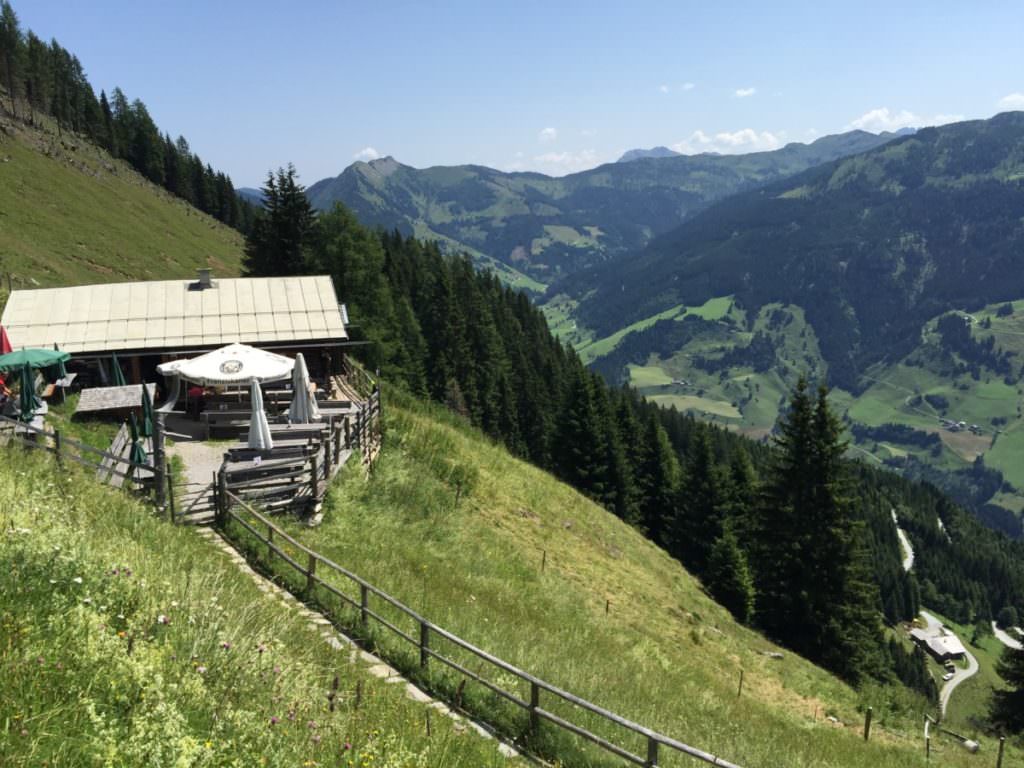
(548, 86)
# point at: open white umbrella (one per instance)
(259, 429)
(233, 364)
(303, 408)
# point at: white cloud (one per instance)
(547, 135)
(688, 86)
(561, 163)
(882, 119)
(663, 88)
(726, 142)
(1012, 101)
(742, 93)
(588, 133)
(366, 154)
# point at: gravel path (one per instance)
(908, 549)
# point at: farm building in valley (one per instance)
(940, 643)
(148, 323)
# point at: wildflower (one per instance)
(87, 600)
(201, 669)
(274, 720)
(208, 745)
(291, 714)
(162, 619)
(316, 738)
(261, 648)
(225, 645)
(277, 670)
(41, 660)
(77, 579)
(311, 724)
(174, 603)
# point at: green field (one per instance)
(595, 349)
(70, 214)
(700, 405)
(524, 567)
(125, 641)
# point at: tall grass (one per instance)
(127, 642)
(520, 565)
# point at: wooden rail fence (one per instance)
(309, 567)
(109, 467)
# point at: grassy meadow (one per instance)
(70, 214)
(125, 641)
(522, 566)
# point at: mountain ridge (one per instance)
(547, 227)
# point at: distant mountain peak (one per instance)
(639, 154)
(381, 167)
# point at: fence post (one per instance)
(534, 703)
(222, 494)
(159, 459)
(270, 543)
(424, 644)
(314, 486)
(364, 603)
(1002, 746)
(56, 445)
(652, 752)
(310, 574)
(170, 495)
(867, 724)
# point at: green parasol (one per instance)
(60, 364)
(116, 373)
(32, 356)
(137, 455)
(146, 428)
(27, 400)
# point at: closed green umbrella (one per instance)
(60, 363)
(116, 373)
(137, 455)
(146, 428)
(33, 356)
(27, 400)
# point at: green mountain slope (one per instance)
(69, 214)
(871, 246)
(546, 227)
(524, 567)
(846, 271)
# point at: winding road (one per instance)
(960, 675)
(1005, 639)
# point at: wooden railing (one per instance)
(63, 448)
(310, 567)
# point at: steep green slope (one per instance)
(546, 227)
(71, 214)
(870, 247)
(522, 566)
(125, 641)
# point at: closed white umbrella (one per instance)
(259, 429)
(303, 408)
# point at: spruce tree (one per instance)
(281, 239)
(11, 45)
(699, 506)
(1008, 705)
(728, 577)
(817, 593)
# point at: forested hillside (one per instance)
(44, 80)
(714, 500)
(870, 247)
(545, 227)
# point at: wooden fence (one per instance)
(109, 467)
(310, 567)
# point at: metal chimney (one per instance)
(204, 279)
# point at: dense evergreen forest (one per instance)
(45, 80)
(796, 539)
